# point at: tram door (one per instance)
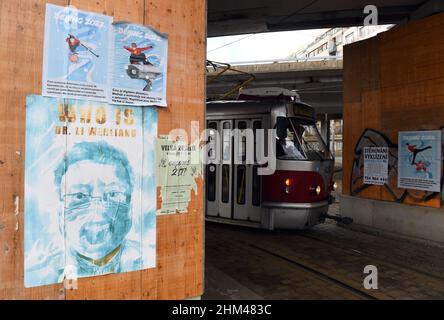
(233, 188)
(226, 170)
(212, 171)
(256, 212)
(246, 182)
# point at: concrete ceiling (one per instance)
(229, 17)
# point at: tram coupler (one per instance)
(344, 220)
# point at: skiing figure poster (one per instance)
(76, 54)
(139, 65)
(90, 189)
(419, 160)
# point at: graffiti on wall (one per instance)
(374, 138)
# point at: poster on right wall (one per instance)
(419, 160)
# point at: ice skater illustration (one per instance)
(74, 44)
(422, 166)
(140, 67)
(81, 54)
(415, 151)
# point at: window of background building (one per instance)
(349, 38)
(339, 39)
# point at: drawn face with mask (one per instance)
(96, 185)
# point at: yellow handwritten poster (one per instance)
(178, 166)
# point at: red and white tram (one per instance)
(298, 193)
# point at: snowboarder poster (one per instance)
(419, 160)
(139, 65)
(76, 54)
(90, 189)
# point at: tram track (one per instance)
(317, 273)
(304, 269)
(358, 252)
(319, 261)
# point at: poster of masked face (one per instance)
(90, 191)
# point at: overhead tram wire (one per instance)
(229, 43)
(280, 21)
(296, 12)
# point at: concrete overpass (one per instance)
(318, 81)
(231, 17)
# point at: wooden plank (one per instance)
(416, 106)
(429, 24)
(351, 74)
(179, 272)
(371, 118)
(410, 93)
(369, 70)
(371, 109)
(408, 57)
(21, 55)
(351, 128)
(180, 237)
(123, 285)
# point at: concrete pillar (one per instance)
(325, 130)
(332, 143)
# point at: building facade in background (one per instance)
(332, 42)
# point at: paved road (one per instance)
(325, 262)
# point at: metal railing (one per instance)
(286, 60)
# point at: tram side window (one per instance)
(226, 141)
(256, 185)
(256, 188)
(212, 126)
(225, 183)
(211, 182)
(256, 126)
(241, 180)
(242, 125)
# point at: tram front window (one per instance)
(300, 141)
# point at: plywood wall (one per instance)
(179, 271)
(394, 82)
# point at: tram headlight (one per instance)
(287, 185)
(316, 190)
(333, 185)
